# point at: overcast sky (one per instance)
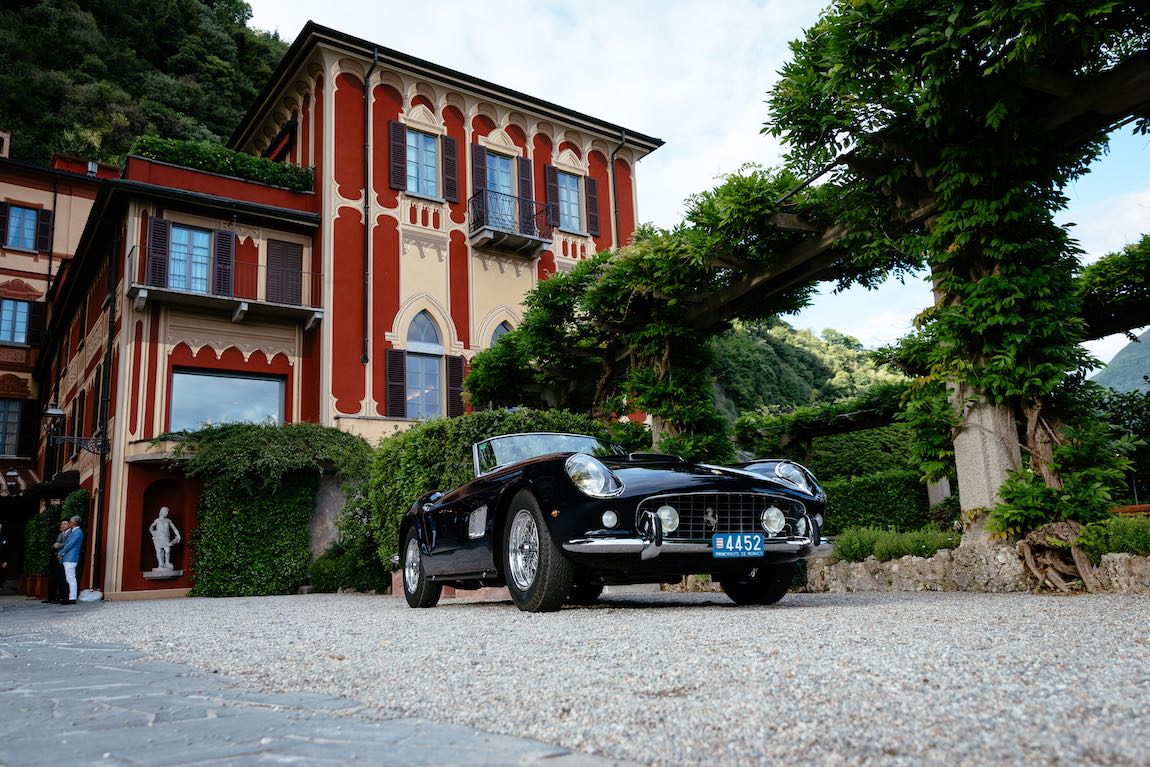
(694, 73)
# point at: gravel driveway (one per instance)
(829, 679)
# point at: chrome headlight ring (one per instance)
(592, 477)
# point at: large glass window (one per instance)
(424, 357)
(190, 260)
(9, 425)
(14, 321)
(200, 398)
(570, 216)
(422, 164)
(21, 228)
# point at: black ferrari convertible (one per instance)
(556, 517)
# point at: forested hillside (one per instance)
(771, 363)
(88, 76)
(1128, 370)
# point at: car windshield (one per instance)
(493, 453)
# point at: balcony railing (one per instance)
(242, 289)
(506, 222)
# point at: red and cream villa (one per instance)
(156, 298)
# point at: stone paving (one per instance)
(68, 701)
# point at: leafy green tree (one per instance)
(967, 116)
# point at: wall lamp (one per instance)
(54, 415)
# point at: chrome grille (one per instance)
(731, 513)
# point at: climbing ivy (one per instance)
(259, 493)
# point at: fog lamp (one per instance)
(610, 519)
(669, 517)
(773, 520)
(801, 526)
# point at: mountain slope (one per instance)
(1128, 370)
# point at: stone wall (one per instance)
(986, 567)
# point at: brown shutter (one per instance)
(43, 230)
(591, 191)
(450, 162)
(3, 224)
(397, 148)
(275, 284)
(478, 186)
(37, 311)
(454, 387)
(526, 201)
(396, 362)
(159, 245)
(551, 181)
(224, 253)
(293, 273)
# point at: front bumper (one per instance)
(648, 549)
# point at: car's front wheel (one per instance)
(538, 576)
(419, 591)
(760, 586)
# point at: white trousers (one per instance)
(70, 574)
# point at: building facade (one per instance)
(439, 201)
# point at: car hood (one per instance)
(671, 475)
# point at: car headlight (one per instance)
(773, 520)
(668, 517)
(592, 477)
(794, 475)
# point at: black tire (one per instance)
(583, 593)
(419, 591)
(760, 586)
(538, 576)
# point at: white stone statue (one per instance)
(164, 536)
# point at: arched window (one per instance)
(500, 331)
(424, 380)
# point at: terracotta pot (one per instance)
(34, 586)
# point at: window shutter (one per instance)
(37, 312)
(397, 148)
(30, 426)
(224, 252)
(551, 179)
(591, 190)
(450, 169)
(454, 387)
(396, 362)
(3, 224)
(526, 198)
(478, 186)
(43, 231)
(275, 285)
(159, 245)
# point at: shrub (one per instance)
(886, 499)
(39, 534)
(437, 455)
(216, 158)
(858, 453)
(856, 544)
(1116, 535)
(352, 561)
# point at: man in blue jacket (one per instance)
(70, 557)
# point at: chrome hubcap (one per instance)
(523, 550)
(411, 566)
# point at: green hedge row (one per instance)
(858, 543)
(216, 158)
(861, 452)
(887, 499)
(1117, 535)
(436, 455)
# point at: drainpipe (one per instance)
(52, 232)
(367, 197)
(615, 187)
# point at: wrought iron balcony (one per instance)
(505, 222)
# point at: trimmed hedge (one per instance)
(887, 499)
(861, 452)
(41, 530)
(1116, 535)
(858, 543)
(216, 158)
(436, 455)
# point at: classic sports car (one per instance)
(556, 517)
